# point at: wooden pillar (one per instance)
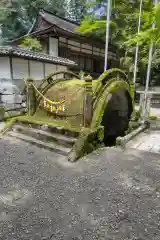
(145, 107)
(132, 89)
(88, 111)
(31, 97)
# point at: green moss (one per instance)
(49, 78)
(101, 88)
(2, 113)
(102, 101)
(100, 133)
(73, 93)
(152, 117)
(88, 141)
(110, 73)
(50, 123)
(29, 79)
(8, 124)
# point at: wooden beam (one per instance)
(44, 70)
(11, 67)
(29, 70)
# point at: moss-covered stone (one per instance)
(88, 141)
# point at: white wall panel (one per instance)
(20, 68)
(36, 70)
(61, 68)
(5, 68)
(53, 47)
(49, 68)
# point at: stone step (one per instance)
(46, 136)
(48, 128)
(50, 146)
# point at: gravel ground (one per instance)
(109, 195)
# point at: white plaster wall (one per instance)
(49, 68)
(20, 68)
(53, 47)
(61, 68)
(5, 68)
(36, 70)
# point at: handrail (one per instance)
(149, 92)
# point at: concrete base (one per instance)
(123, 140)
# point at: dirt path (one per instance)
(109, 195)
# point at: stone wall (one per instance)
(12, 98)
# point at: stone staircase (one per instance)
(55, 139)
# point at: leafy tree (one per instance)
(17, 16)
(31, 44)
(75, 10)
(14, 23)
(123, 29)
(148, 34)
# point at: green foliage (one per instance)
(123, 20)
(148, 34)
(81, 75)
(145, 37)
(157, 16)
(152, 117)
(75, 10)
(123, 31)
(31, 44)
(126, 63)
(18, 16)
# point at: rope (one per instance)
(57, 103)
(46, 99)
(49, 101)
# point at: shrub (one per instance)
(152, 117)
(31, 44)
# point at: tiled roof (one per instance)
(19, 52)
(60, 22)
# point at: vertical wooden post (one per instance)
(132, 89)
(31, 97)
(88, 111)
(145, 106)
